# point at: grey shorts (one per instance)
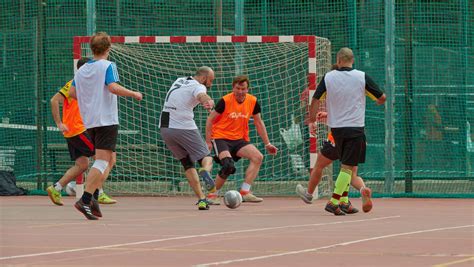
(185, 142)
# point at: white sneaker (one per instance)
(303, 194)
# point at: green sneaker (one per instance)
(54, 195)
(203, 204)
(105, 199)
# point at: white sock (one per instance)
(101, 190)
(58, 187)
(245, 187)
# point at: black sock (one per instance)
(96, 194)
(86, 198)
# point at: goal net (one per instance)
(280, 69)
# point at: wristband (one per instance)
(268, 144)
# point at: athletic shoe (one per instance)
(207, 179)
(203, 204)
(105, 199)
(303, 194)
(249, 197)
(54, 195)
(213, 199)
(334, 209)
(348, 208)
(366, 194)
(95, 209)
(85, 209)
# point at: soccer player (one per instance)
(96, 87)
(227, 130)
(79, 144)
(180, 132)
(345, 89)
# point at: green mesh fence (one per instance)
(420, 52)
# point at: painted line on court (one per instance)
(191, 236)
(454, 262)
(330, 246)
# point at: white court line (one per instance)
(331, 246)
(190, 236)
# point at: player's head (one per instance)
(240, 87)
(205, 76)
(100, 43)
(81, 62)
(345, 57)
(334, 67)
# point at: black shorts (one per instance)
(350, 144)
(80, 145)
(329, 151)
(104, 137)
(233, 146)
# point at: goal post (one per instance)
(280, 69)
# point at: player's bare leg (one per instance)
(315, 178)
(95, 178)
(193, 180)
(54, 191)
(255, 157)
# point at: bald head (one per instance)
(204, 75)
(204, 71)
(345, 57)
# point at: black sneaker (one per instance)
(95, 208)
(334, 209)
(348, 208)
(85, 209)
(203, 204)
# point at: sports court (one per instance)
(419, 160)
(278, 232)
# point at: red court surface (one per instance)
(170, 231)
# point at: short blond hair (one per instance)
(345, 54)
(100, 42)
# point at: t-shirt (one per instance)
(345, 91)
(71, 115)
(180, 102)
(233, 120)
(97, 104)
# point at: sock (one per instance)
(101, 190)
(96, 194)
(345, 195)
(343, 179)
(245, 187)
(58, 186)
(86, 198)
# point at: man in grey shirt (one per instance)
(345, 89)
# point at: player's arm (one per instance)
(315, 102)
(262, 130)
(56, 101)
(112, 79)
(119, 90)
(209, 122)
(373, 91)
(205, 100)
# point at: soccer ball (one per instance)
(232, 199)
(71, 188)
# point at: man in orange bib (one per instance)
(227, 131)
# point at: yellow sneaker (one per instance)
(54, 195)
(105, 199)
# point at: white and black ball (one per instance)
(71, 188)
(232, 199)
